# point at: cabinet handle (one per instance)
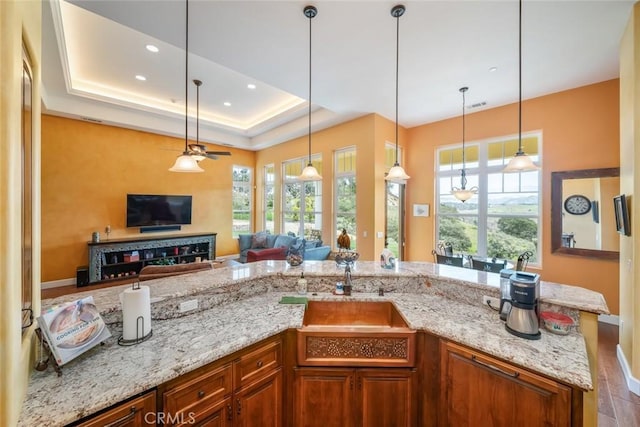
(200, 394)
(123, 420)
(239, 405)
(493, 367)
(259, 364)
(229, 412)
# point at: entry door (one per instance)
(394, 221)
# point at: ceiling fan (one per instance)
(199, 151)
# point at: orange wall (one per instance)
(87, 170)
(580, 130)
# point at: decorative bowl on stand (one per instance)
(346, 257)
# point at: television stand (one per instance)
(124, 258)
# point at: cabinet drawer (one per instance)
(256, 364)
(129, 414)
(199, 397)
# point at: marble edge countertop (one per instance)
(240, 307)
(107, 299)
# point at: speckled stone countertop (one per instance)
(239, 306)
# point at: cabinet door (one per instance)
(139, 412)
(386, 397)
(260, 403)
(480, 390)
(221, 417)
(324, 397)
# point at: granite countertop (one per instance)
(239, 307)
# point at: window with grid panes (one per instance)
(301, 200)
(503, 219)
(269, 189)
(241, 200)
(345, 194)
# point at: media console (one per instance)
(115, 259)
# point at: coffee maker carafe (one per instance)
(523, 319)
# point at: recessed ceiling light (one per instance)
(493, 69)
(227, 104)
(152, 48)
(141, 78)
(251, 86)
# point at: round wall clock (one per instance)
(577, 204)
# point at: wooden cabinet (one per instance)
(354, 397)
(242, 390)
(137, 412)
(113, 259)
(476, 389)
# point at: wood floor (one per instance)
(617, 406)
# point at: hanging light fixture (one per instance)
(309, 173)
(396, 173)
(463, 194)
(186, 162)
(520, 162)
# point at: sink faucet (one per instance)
(347, 280)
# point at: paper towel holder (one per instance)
(139, 328)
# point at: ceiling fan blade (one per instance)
(219, 153)
(211, 156)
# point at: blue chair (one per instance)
(493, 266)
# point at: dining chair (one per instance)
(523, 260)
(445, 248)
(455, 261)
(490, 266)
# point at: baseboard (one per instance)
(57, 283)
(610, 319)
(632, 383)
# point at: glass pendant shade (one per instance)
(397, 174)
(520, 162)
(462, 194)
(186, 163)
(309, 173)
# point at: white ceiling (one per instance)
(93, 49)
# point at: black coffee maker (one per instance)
(523, 317)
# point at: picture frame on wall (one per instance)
(622, 215)
(420, 210)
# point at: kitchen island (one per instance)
(239, 306)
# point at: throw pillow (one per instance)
(259, 240)
(283, 240)
(245, 241)
(309, 244)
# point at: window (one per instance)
(345, 194)
(503, 219)
(269, 188)
(241, 200)
(301, 200)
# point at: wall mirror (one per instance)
(582, 212)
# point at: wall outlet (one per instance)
(493, 302)
(188, 305)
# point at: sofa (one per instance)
(266, 246)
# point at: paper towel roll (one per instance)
(136, 302)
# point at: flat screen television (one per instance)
(153, 210)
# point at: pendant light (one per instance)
(396, 173)
(309, 173)
(186, 162)
(463, 194)
(520, 162)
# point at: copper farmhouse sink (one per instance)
(355, 333)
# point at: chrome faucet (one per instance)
(347, 279)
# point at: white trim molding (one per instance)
(58, 283)
(632, 383)
(611, 319)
